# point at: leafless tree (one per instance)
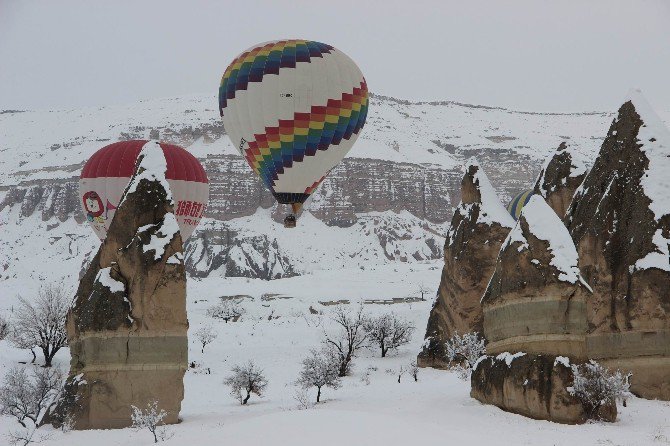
(26, 436)
(596, 385)
(388, 332)
(422, 289)
(414, 370)
(320, 369)
(4, 328)
(205, 335)
(245, 380)
(464, 351)
(26, 397)
(349, 339)
(150, 418)
(228, 310)
(42, 324)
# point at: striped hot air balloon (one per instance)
(293, 109)
(518, 202)
(107, 173)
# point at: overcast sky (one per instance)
(541, 55)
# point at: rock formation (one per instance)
(560, 177)
(535, 386)
(534, 310)
(535, 300)
(127, 326)
(620, 223)
(478, 228)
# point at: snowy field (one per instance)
(278, 330)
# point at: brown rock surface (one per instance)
(531, 385)
(478, 228)
(535, 301)
(620, 222)
(127, 327)
(560, 177)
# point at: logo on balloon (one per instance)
(93, 205)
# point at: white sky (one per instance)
(552, 55)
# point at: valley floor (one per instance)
(278, 330)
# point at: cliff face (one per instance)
(560, 177)
(478, 228)
(535, 300)
(620, 222)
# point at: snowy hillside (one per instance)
(395, 191)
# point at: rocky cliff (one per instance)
(620, 223)
(535, 301)
(127, 326)
(560, 176)
(478, 228)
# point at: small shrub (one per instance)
(596, 386)
(463, 352)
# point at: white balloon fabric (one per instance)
(107, 173)
(293, 108)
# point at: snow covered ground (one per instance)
(278, 330)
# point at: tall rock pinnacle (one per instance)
(127, 326)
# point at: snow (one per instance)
(436, 407)
(544, 224)
(104, 278)
(491, 209)
(562, 360)
(160, 239)
(509, 357)
(580, 158)
(152, 167)
(655, 140)
(660, 258)
(176, 259)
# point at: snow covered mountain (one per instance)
(388, 201)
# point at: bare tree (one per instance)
(422, 289)
(228, 310)
(150, 418)
(245, 380)
(205, 335)
(26, 436)
(463, 352)
(595, 385)
(349, 339)
(388, 332)
(42, 324)
(414, 370)
(320, 369)
(4, 328)
(26, 397)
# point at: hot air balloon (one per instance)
(107, 173)
(518, 202)
(293, 109)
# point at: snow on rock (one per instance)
(509, 357)
(544, 224)
(152, 167)
(176, 259)
(654, 138)
(491, 209)
(562, 360)
(104, 278)
(163, 236)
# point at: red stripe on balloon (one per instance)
(118, 161)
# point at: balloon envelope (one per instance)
(293, 109)
(107, 173)
(518, 202)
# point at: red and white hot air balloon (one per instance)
(107, 173)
